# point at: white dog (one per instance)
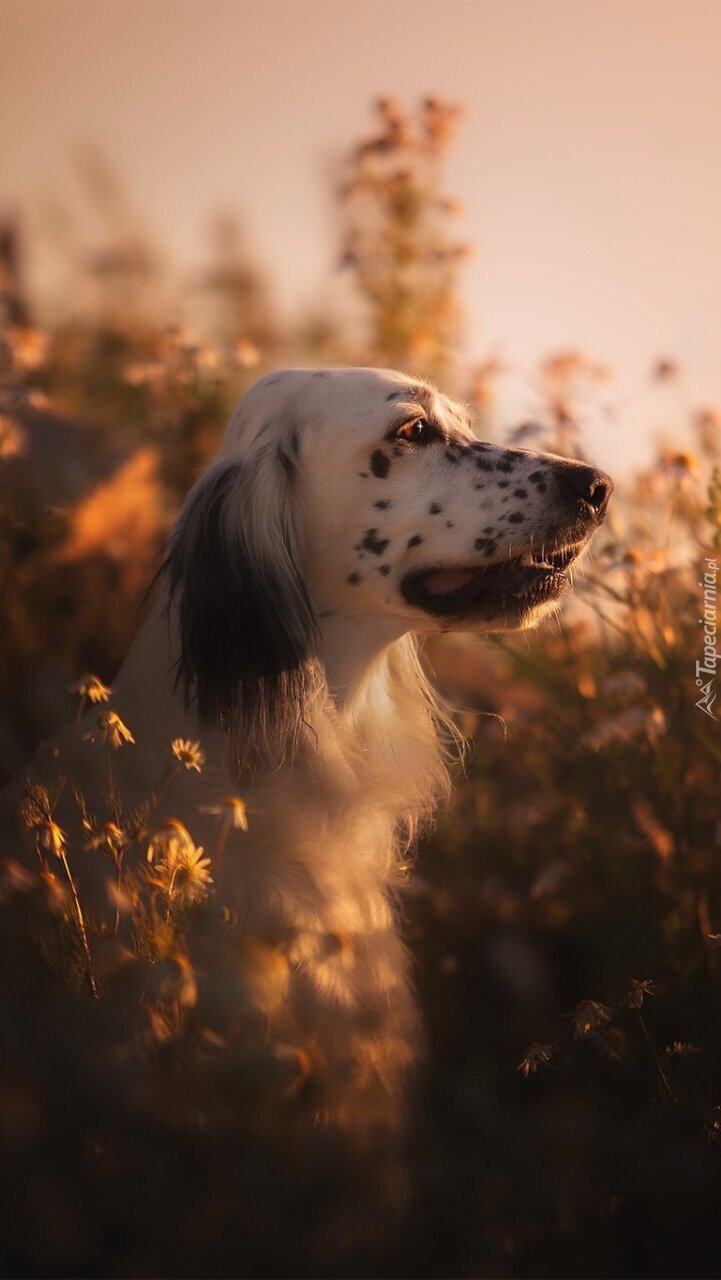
(347, 512)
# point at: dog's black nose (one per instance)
(586, 484)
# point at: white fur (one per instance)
(335, 799)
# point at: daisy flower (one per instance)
(188, 753)
(231, 809)
(179, 868)
(111, 730)
(92, 688)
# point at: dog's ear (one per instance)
(247, 629)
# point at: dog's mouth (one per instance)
(509, 589)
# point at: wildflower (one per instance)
(680, 462)
(535, 1056)
(136, 822)
(231, 809)
(188, 753)
(35, 812)
(108, 837)
(171, 830)
(180, 870)
(636, 990)
(588, 1016)
(52, 837)
(111, 730)
(35, 807)
(92, 688)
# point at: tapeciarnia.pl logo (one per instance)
(709, 622)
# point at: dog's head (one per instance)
(363, 492)
(406, 511)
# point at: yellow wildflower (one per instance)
(179, 868)
(111, 730)
(92, 688)
(188, 753)
(52, 837)
(109, 837)
(35, 812)
(231, 809)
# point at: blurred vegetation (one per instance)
(565, 916)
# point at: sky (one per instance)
(587, 162)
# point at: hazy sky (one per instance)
(589, 160)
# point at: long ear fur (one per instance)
(247, 629)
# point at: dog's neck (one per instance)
(350, 648)
(146, 693)
(378, 714)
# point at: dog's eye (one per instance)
(416, 432)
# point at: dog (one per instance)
(348, 514)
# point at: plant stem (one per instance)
(81, 926)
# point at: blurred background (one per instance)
(521, 200)
(586, 165)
